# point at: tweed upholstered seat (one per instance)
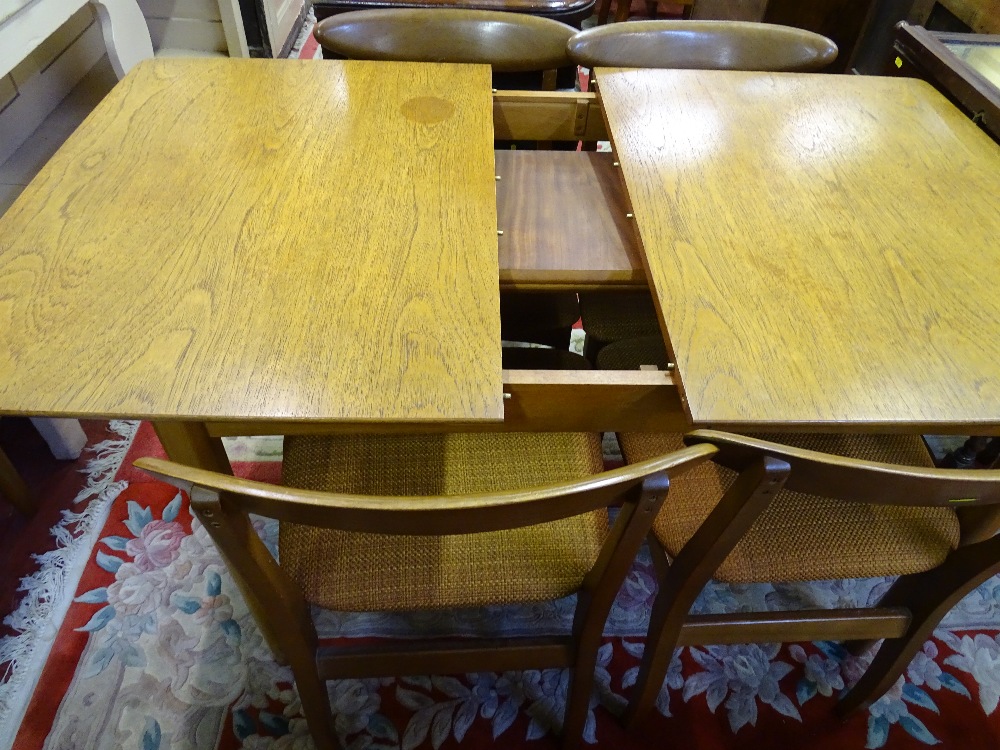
(374, 572)
(394, 496)
(611, 316)
(634, 353)
(805, 537)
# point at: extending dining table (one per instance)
(232, 247)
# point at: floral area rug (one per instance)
(158, 650)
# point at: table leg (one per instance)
(64, 437)
(12, 487)
(190, 444)
(125, 33)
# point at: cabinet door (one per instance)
(280, 17)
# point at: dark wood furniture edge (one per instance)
(966, 87)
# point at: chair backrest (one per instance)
(702, 45)
(862, 481)
(510, 42)
(422, 516)
(223, 504)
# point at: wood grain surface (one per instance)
(235, 239)
(563, 219)
(824, 250)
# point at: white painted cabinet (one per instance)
(278, 19)
(25, 24)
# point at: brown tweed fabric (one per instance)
(612, 316)
(805, 537)
(374, 572)
(631, 354)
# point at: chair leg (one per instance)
(623, 10)
(603, 11)
(592, 609)
(692, 568)
(651, 9)
(929, 597)
(665, 623)
(581, 687)
(315, 700)
(13, 488)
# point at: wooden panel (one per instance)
(203, 10)
(281, 18)
(944, 61)
(843, 21)
(982, 16)
(49, 43)
(795, 626)
(39, 94)
(547, 116)
(562, 214)
(262, 239)
(7, 92)
(187, 34)
(729, 10)
(823, 248)
(535, 401)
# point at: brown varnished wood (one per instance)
(547, 116)
(843, 21)
(253, 213)
(277, 605)
(448, 656)
(929, 596)
(508, 42)
(906, 614)
(223, 504)
(844, 292)
(982, 16)
(692, 568)
(706, 45)
(190, 443)
(855, 480)
(572, 12)
(623, 8)
(954, 76)
(794, 627)
(539, 401)
(13, 488)
(975, 495)
(562, 214)
(425, 515)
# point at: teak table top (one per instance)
(262, 239)
(823, 249)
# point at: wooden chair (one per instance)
(13, 488)
(703, 45)
(518, 47)
(404, 522)
(512, 43)
(821, 507)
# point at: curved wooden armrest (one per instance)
(427, 515)
(855, 479)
